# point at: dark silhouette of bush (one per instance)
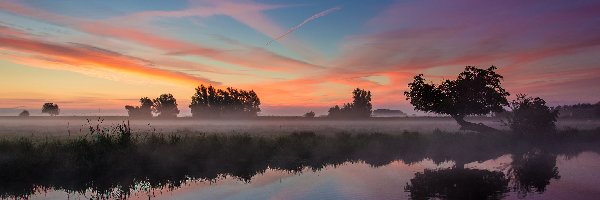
(310, 114)
(165, 106)
(51, 108)
(231, 102)
(474, 92)
(24, 113)
(142, 111)
(531, 116)
(359, 108)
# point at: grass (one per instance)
(112, 162)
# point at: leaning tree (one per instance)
(474, 92)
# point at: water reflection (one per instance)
(528, 172)
(532, 171)
(458, 183)
(107, 170)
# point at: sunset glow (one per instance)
(97, 56)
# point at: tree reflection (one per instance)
(457, 183)
(532, 171)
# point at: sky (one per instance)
(94, 57)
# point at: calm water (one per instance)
(533, 175)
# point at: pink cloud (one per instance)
(85, 56)
(252, 57)
(452, 35)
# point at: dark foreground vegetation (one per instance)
(113, 162)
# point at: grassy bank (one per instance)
(111, 162)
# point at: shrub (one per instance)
(531, 115)
(310, 114)
(24, 113)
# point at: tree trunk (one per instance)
(465, 125)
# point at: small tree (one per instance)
(361, 103)
(142, 111)
(359, 108)
(310, 114)
(531, 115)
(474, 92)
(165, 106)
(24, 113)
(51, 108)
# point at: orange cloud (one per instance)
(85, 56)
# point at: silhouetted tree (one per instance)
(310, 114)
(165, 106)
(51, 109)
(359, 108)
(456, 183)
(474, 92)
(531, 115)
(335, 112)
(142, 111)
(24, 113)
(231, 102)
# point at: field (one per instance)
(65, 126)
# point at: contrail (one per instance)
(315, 16)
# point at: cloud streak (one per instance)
(86, 57)
(311, 18)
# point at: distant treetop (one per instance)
(24, 113)
(51, 108)
(359, 108)
(142, 111)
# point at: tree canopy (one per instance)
(142, 111)
(531, 115)
(51, 108)
(165, 106)
(359, 108)
(474, 92)
(231, 102)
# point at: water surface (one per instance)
(577, 179)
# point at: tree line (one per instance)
(207, 102)
(582, 110)
(474, 92)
